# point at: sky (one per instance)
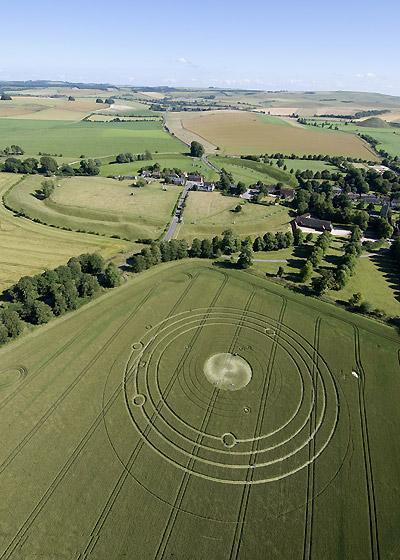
(252, 44)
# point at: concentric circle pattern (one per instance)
(12, 376)
(280, 421)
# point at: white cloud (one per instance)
(366, 75)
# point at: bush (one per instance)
(365, 307)
(3, 334)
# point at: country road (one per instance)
(177, 213)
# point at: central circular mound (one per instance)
(227, 371)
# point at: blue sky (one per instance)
(251, 44)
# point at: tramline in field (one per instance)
(211, 406)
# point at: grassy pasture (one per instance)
(239, 132)
(100, 205)
(126, 434)
(303, 164)
(375, 276)
(92, 139)
(376, 279)
(28, 248)
(252, 171)
(180, 161)
(208, 214)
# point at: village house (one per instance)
(175, 179)
(125, 177)
(194, 180)
(287, 193)
(307, 221)
(206, 187)
(368, 198)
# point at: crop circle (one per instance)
(227, 372)
(193, 425)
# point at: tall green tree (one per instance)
(196, 149)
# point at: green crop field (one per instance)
(28, 248)
(92, 139)
(208, 214)
(97, 204)
(249, 172)
(196, 413)
(303, 164)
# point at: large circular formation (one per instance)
(227, 372)
(178, 391)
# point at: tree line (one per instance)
(13, 150)
(128, 157)
(37, 299)
(226, 244)
(47, 165)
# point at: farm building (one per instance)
(251, 193)
(368, 198)
(313, 223)
(175, 179)
(287, 193)
(206, 187)
(195, 178)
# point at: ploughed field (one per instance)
(240, 132)
(199, 412)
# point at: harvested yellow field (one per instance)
(174, 123)
(28, 248)
(240, 132)
(153, 94)
(47, 109)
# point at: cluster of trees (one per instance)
(319, 198)
(47, 165)
(275, 241)
(47, 188)
(128, 157)
(317, 254)
(36, 299)
(196, 149)
(11, 324)
(12, 150)
(227, 185)
(332, 279)
(166, 251)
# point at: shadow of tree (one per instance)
(38, 194)
(225, 264)
(389, 269)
